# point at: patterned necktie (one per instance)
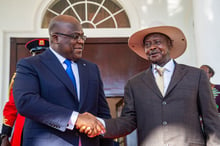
(160, 79)
(69, 71)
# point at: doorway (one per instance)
(117, 63)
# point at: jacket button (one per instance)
(164, 123)
(164, 102)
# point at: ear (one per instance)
(54, 39)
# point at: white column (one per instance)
(2, 98)
(207, 34)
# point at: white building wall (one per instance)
(207, 22)
(23, 19)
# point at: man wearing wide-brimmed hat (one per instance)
(168, 116)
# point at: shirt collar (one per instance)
(59, 57)
(169, 66)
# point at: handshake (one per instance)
(89, 124)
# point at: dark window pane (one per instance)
(70, 12)
(75, 1)
(122, 20)
(101, 15)
(80, 9)
(58, 6)
(112, 6)
(107, 24)
(47, 17)
(97, 1)
(87, 25)
(91, 11)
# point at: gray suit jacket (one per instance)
(171, 120)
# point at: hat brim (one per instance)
(177, 37)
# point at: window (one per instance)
(92, 14)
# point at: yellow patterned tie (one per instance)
(159, 79)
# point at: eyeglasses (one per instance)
(74, 36)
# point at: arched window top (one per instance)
(92, 14)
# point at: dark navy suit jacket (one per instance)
(45, 95)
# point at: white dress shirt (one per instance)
(74, 66)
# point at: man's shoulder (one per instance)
(188, 67)
(86, 62)
(139, 75)
(42, 56)
(28, 60)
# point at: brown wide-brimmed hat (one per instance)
(177, 37)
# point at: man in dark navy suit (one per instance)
(53, 104)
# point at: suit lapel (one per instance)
(149, 80)
(178, 74)
(53, 64)
(84, 78)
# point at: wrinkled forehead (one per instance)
(65, 27)
(156, 35)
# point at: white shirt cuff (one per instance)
(101, 120)
(72, 120)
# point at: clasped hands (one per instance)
(89, 124)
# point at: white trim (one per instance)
(99, 32)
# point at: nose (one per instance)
(80, 40)
(153, 46)
(150, 49)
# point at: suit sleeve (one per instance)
(103, 110)
(29, 102)
(126, 123)
(209, 113)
